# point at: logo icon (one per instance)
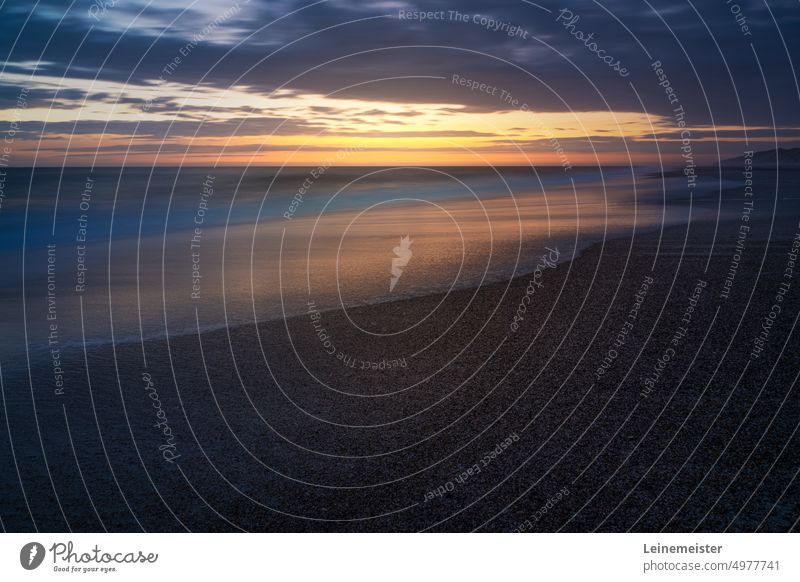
(403, 255)
(31, 555)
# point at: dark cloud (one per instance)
(713, 65)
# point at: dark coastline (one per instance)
(351, 458)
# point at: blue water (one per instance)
(261, 256)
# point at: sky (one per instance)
(390, 82)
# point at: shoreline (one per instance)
(93, 344)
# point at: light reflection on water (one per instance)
(468, 227)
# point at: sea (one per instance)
(98, 255)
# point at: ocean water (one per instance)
(111, 254)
